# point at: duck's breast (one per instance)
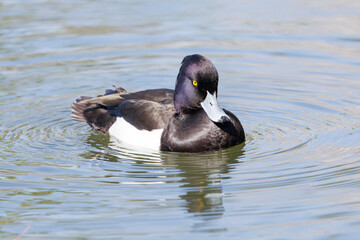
(197, 133)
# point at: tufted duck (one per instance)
(188, 119)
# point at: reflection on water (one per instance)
(200, 174)
(202, 180)
(289, 70)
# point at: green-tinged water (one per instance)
(290, 71)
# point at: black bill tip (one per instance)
(224, 119)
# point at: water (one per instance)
(288, 69)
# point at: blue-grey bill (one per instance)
(212, 108)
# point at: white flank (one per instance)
(130, 135)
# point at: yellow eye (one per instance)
(195, 83)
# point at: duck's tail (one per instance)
(95, 111)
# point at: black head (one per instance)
(197, 76)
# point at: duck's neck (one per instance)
(183, 112)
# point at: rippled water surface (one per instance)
(290, 71)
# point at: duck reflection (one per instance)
(200, 174)
(99, 143)
(201, 177)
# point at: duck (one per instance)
(187, 119)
